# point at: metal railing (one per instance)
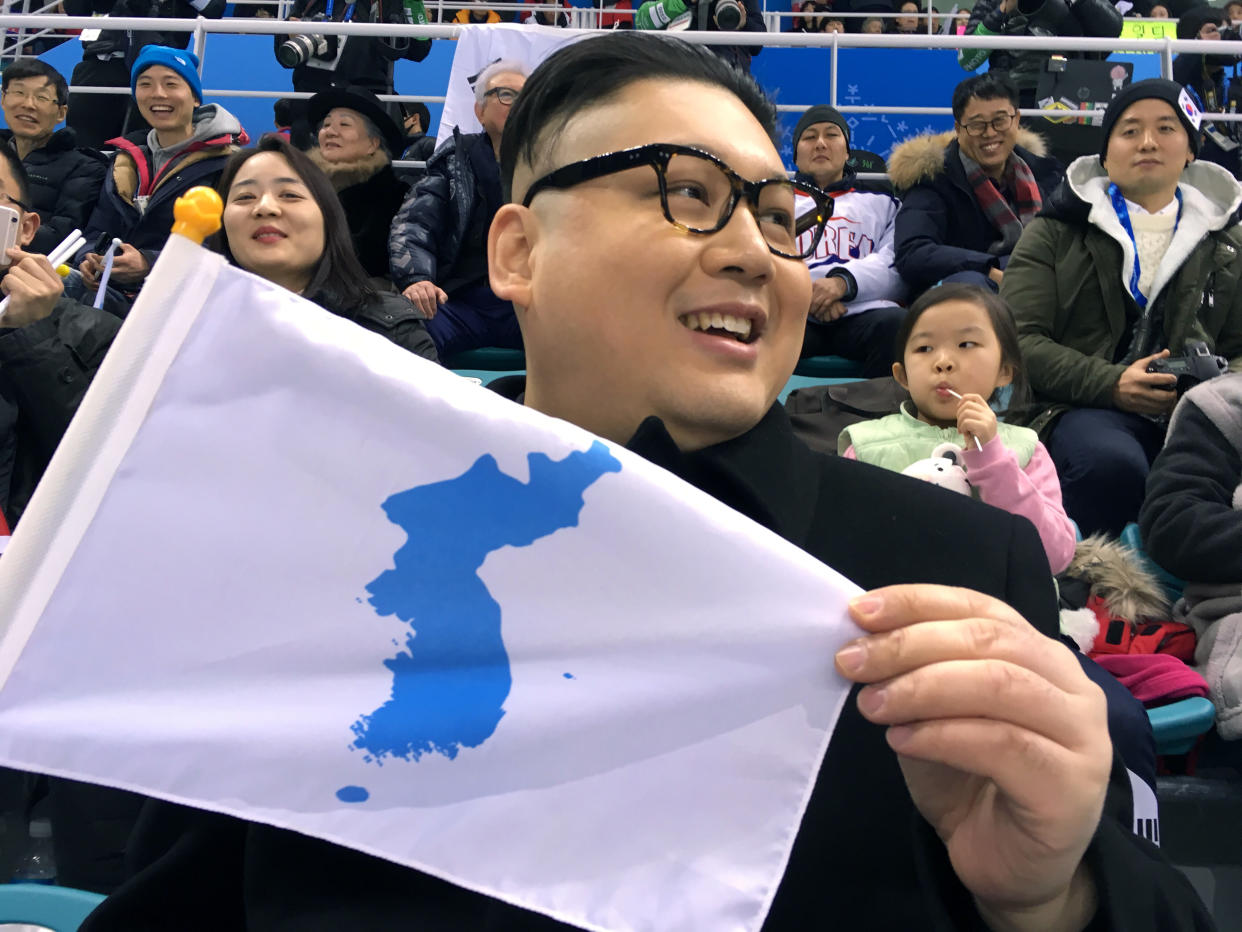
(200, 28)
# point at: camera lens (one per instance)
(728, 15)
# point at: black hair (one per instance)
(338, 282)
(1003, 325)
(986, 86)
(424, 114)
(586, 74)
(18, 170)
(282, 112)
(22, 68)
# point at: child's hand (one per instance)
(975, 420)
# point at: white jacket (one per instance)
(859, 239)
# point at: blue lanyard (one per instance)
(1123, 214)
(349, 10)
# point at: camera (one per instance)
(300, 50)
(1197, 364)
(727, 15)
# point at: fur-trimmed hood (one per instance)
(347, 174)
(1116, 574)
(922, 157)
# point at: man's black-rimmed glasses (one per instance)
(699, 192)
(999, 123)
(506, 95)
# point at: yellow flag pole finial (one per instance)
(197, 213)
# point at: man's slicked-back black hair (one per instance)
(18, 171)
(592, 71)
(22, 68)
(986, 86)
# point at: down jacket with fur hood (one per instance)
(371, 194)
(1067, 283)
(941, 229)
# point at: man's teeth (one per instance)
(704, 321)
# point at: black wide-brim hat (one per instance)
(361, 101)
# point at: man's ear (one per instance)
(510, 247)
(62, 113)
(478, 113)
(899, 373)
(28, 229)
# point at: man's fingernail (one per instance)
(866, 605)
(850, 658)
(871, 700)
(898, 736)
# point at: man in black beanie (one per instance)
(1205, 75)
(855, 290)
(1134, 256)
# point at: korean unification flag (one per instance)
(281, 568)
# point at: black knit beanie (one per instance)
(820, 113)
(1170, 92)
(1195, 18)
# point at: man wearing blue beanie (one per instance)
(182, 61)
(187, 145)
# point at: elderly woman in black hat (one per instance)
(357, 139)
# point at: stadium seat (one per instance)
(1178, 725)
(61, 909)
(488, 358)
(829, 367)
(1172, 586)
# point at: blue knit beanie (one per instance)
(183, 62)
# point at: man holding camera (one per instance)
(1205, 75)
(1135, 255)
(707, 16)
(322, 63)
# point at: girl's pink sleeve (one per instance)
(849, 453)
(1033, 493)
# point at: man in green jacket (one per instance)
(1135, 254)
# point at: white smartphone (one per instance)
(10, 222)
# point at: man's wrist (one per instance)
(1070, 911)
(851, 284)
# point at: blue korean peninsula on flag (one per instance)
(281, 568)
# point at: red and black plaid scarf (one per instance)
(1021, 182)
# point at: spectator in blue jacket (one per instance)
(967, 195)
(438, 245)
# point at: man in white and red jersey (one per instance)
(855, 292)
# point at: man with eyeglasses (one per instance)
(438, 246)
(65, 179)
(967, 196)
(650, 248)
(50, 347)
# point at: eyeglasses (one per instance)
(506, 95)
(999, 123)
(42, 98)
(698, 193)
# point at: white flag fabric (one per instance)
(480, 46)
(281, 568)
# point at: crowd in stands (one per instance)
(1029, 309)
